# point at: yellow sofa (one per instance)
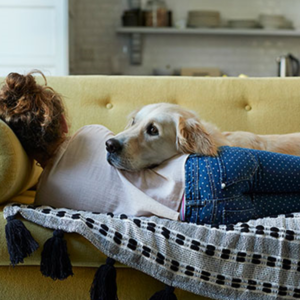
(261, 105)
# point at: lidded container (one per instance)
(156, 14)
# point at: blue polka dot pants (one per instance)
(239, 185)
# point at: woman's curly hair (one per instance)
(32, 111)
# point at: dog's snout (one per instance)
(113, 145)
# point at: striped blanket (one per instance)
(259, 259)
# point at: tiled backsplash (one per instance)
(94, 41)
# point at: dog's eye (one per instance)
(152, 130)
(132, 122)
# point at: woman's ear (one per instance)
(64, 124)
(193, 138)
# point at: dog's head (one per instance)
(155, 133)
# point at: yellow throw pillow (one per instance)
(17, 172)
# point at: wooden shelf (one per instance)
(136, 34)
(210, 31)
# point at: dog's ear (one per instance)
(130, 118)
(193, 138)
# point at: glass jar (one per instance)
(156, 14)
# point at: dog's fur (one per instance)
(280, 143)
(177, 130)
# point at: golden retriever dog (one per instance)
(280, 143)
(159, 131)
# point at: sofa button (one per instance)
(248, 107)
(109, 106)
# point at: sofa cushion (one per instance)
(259, 105)
(18, 172)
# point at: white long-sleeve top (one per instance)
(79, 177)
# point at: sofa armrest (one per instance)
(17, 172)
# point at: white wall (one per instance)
(95, 41)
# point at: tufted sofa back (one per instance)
(264, 105)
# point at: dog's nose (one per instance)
(113, 145)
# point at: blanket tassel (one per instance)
(20, 242)
(55, 261)
(166, 294)
(104, 286)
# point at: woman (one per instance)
(237, 185)
(75, 171)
